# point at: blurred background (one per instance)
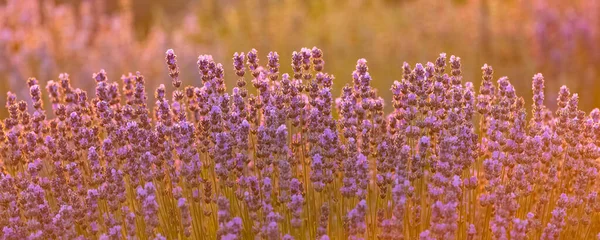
(561, 39)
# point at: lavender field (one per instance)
(273, 145)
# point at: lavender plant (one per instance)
(285, 160)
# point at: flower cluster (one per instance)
(286, 160)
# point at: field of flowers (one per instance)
(556, 37)
(293, 144)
